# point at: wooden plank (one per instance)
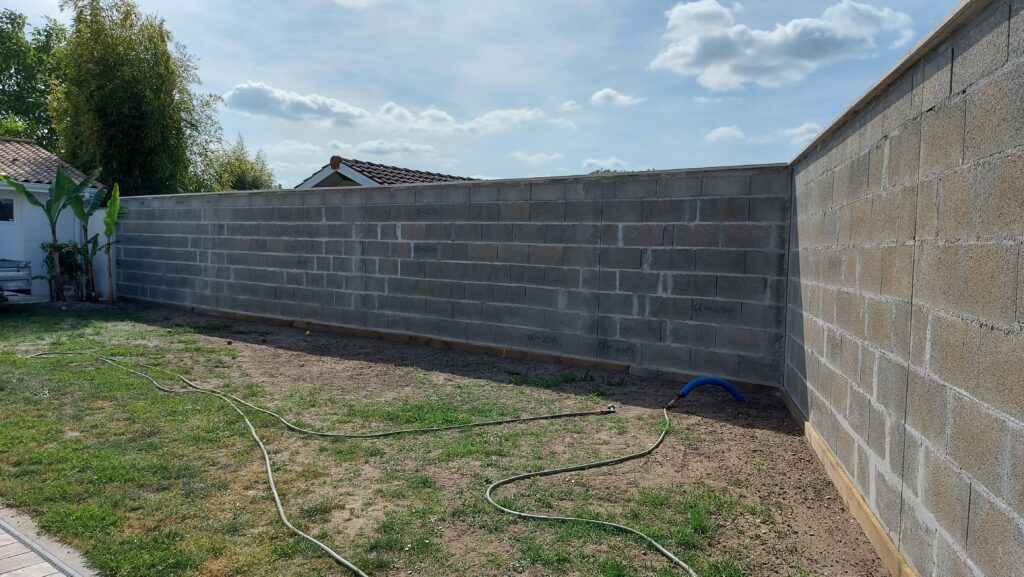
(43, 569)
(12, 549)
(18, 561)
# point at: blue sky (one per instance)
(534, 87)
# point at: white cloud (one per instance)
(537, 158)
(562, 123)
(381, 147)
(725, 134)
(570, 105)
(706, 99)
(357, 4)
(610, 163)
(802, 134)
(609, 96)
(705, 42)
(259, 99)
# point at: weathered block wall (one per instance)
(679, 271)
(905, 339)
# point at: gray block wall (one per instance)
(679, 272)
(906, 309)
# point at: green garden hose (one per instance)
(234, 402)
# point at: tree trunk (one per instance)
(57, 290)
(110, 272)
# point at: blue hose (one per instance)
(700, 382)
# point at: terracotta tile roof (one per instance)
(26, 161)
(384, 174)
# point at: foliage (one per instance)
(230, 167)
(126, 102)
(28, 68)
(62, 193)
(84, 207)
(110, 219)
(68, 271)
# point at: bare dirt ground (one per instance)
(754, 451)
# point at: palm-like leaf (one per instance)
(113, 213)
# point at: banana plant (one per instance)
(109, 226)
(84, 208)
(61, 191)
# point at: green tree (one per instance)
(126, 102)
(28, 70)
(232, 168)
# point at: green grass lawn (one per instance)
(146, 483)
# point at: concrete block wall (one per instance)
(905, 339)
(678, 272)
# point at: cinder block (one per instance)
(1000, 380)
(851, 180)
(583, 211)
(670, 210)
(769, 209)
(954, 351)
(636, 187)
(748, 288)
(643, 235)
(547, 211)
(726, 185)
(621, 258)
(975, 437)
(679, 185)
(763, 236)
(956, 210)
(1017, 28)
(995, 539)
(942, 138)
(928, 408)
(696, 335)
(981, 46)
(639, 282)
(720, 261)
(515, 211)
(693, 285)
(938, 66)
(779, 183)
(616, 211)
(669, 308)
(995, 114)
(548, 191)
(757, 368)
(1013, 453)
(673, 259)
(724, 209)
(948, 562)
(897, 264)
(716, 311)
(696, 235)
(887, 503)
(513, 191)
(1001, 203)
(714, 362)
(891, 385)
(904, 157)
(917, 539)
(641, 329)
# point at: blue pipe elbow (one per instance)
(701, 381)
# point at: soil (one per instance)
(756, 450)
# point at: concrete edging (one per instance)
(38, 549)
(869, 522)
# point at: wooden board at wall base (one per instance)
(887, 551)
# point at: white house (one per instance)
(351, 172)
(23, 227)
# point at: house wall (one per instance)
(21, 239)
(905, 335)
(675, 271)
